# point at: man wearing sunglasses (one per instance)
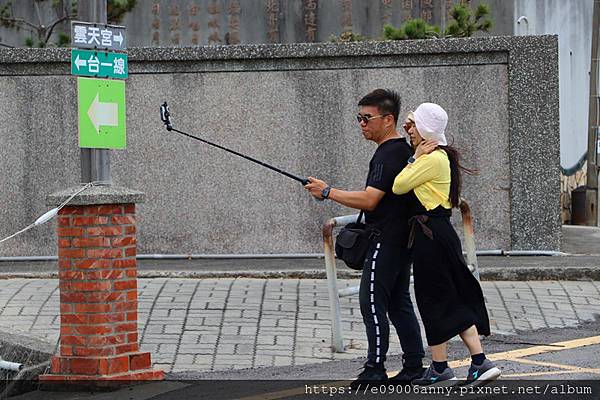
(384, 286)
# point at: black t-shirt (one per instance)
(393, 211)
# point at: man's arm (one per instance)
(362, 200)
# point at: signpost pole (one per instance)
(99, 338)
(95, 163)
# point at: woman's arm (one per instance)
(424, 169)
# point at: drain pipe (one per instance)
(10, 366)
(226, 256)
(490, 252)
(520, 20)
(520, 253)
(533, 253)
(275, 256)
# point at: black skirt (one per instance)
(449, 298)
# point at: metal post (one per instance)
(467, 220)
(335, 294)
(593, 163)
(95, 163)
(334, 300)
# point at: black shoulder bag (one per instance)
(352, 243)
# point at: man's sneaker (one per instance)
(407, 375)
(432, 377)
(487, 371)
(371, 374)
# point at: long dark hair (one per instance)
(455, 174)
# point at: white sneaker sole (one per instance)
(490, 375)
(445, 383)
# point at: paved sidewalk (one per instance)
(219, 324)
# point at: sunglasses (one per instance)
(367, 117)
(407, 125)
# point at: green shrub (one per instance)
(464, 22)
(346, 37)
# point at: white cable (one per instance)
(64, 203)
(18, 233)
(46, 217)
(52, 213)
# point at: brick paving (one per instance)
(220, 324)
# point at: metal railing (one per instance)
(335, 294)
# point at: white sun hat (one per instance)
(431, 121)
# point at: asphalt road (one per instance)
(559, 362)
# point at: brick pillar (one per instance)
(98, 296)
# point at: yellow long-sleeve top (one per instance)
(429, 177)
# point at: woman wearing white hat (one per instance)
(449, 298)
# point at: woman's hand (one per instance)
(425, 147)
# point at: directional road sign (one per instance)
(85, 35)
(100, 64)
(101, 113)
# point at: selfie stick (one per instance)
(165, 116)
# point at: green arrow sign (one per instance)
(100, 64)
(101, 113)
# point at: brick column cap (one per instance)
(105, 194)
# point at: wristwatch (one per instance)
(325, 192)
(411, 160)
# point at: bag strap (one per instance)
(360, 215)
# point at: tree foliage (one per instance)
(346, 37)
(411, 29)
(464, 22)
(116, 10)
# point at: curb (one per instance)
(487, 274)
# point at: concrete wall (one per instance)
(204, 22)
(292, 106)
